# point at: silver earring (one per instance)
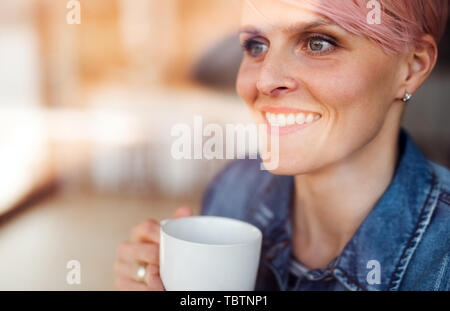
(407, 97)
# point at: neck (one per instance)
(331, 204)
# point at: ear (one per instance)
(421, 62)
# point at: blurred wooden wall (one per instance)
(138, 41)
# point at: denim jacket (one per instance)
(403, 244)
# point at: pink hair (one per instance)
(403, 22)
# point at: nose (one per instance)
(274, 79)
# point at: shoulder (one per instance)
(429, 268)
(231, 191)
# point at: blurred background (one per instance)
(86, 112)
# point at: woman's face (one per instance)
(328, 91)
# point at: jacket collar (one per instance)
(385, 241)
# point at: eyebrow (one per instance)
(294, 28)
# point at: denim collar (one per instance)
(388, 236)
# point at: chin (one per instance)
(287, 166)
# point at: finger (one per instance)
(129, 270)
(183, 211)
(153, 270)
(126, 271)
(147, 253)
(130, 285)
(154, 282)
(147, 231)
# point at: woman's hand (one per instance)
(142, 250)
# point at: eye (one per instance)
(254, 48)
(318, 45)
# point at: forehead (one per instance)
(275, 13)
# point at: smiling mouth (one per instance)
(284, 120)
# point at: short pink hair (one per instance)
(403, 22)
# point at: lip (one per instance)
(283, 131)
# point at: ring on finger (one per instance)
(141, 273)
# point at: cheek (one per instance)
(356, 97)
(350, 87)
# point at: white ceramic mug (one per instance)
(209, 253)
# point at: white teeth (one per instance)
(291, 119)
(281, 120)
(273, 120)
(300, 118)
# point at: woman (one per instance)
(353, 203)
